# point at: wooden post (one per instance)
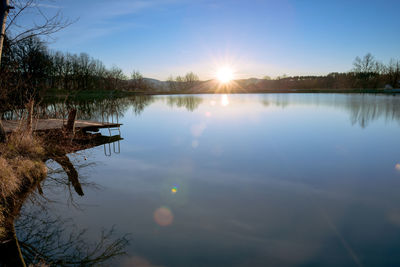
(70, 127)
(3, 135)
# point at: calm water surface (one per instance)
(246, 180)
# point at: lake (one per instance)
(238, 180)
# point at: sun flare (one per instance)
(225, 75)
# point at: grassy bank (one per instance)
(21, 165)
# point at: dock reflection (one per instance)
(33, 235)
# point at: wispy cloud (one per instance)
(128, 7)
(101, 20)
(48, 6)
(81, 34)
(107, 10)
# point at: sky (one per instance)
(160, 38)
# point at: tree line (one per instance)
(367, 73)
(29, 68)
(182, 83)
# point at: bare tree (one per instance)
(43, 24)
(190, 80)
(137, 80)
(4, 10)
(171, 83)
(181, 83)
(364, 65)
(393, 73)
(16, 31)
(114, 78)
(367, 71)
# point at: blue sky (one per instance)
(170, 37)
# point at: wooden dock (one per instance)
(54, 124)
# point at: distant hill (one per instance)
(156, 84)
(204, 86)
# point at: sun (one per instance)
(225, 75)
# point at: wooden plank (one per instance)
(53, 124)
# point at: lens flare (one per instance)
(198, 129)
(195, 143)
(163, 216)
(174, 190)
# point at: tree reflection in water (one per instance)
(33, 235)
(96, 110)
(191, 103)
(362, 108)
(53, 240)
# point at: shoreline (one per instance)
(278, 91)
(94, 94)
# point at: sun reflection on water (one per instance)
(224, 100)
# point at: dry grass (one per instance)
(31, 170)
(21, 164)
(22, 144)
(9, 183)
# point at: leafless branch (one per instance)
(43, 24)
